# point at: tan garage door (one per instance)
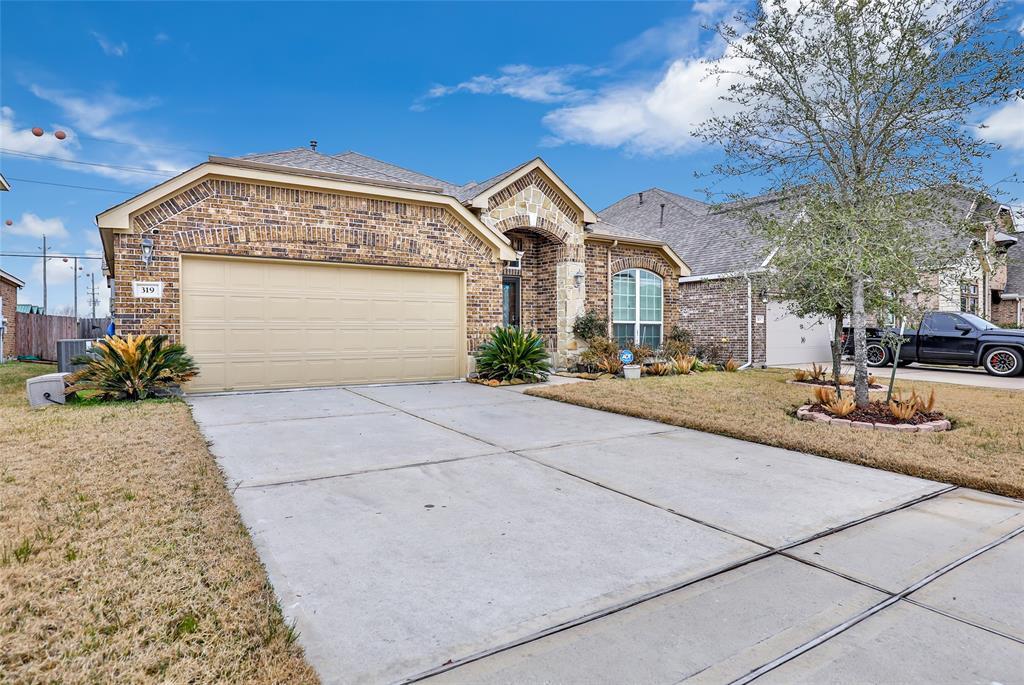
(278, 324)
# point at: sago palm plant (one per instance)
(133, 367)
(513, 354)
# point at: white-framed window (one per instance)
(637, 306)
(969, 297)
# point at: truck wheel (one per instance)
(877, 355)
(1003, 361)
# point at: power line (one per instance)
(138, 170)
(146, 145)
(69, 185)
(49, 255)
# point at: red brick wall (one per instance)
(601, 257)
(715, 312)
(9, 293)
(537, 281)
(1005, 312)
(247, 219)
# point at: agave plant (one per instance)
(133, 367)
(513, 354)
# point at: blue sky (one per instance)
(605, 92)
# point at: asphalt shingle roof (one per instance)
(709, 241)
(1015, 267)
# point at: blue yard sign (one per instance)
(625, 356)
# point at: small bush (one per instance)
(924, 406)
(678, 342)
(902, 409)
(640, 352)
(513, 354)
(824, 394)
(598, 352)
(684, 363)
(661, 369)
(841, 406)
(731, 365)
(132, 368)
(589, 326)
(709, 353)
(817, 372)
(800, 375)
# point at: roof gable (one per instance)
(478, 196)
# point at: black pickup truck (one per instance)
(950, 338)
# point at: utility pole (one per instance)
(75, 275)
(44, 274)
(92, 293)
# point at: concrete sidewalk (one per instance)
(474, 534)
(960, 375)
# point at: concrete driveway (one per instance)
(464, 534)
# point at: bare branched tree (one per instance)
(859, 112)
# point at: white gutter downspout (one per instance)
(750, 324)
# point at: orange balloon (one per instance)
(37, 131)
(60, 135)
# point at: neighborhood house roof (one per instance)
(711, 240)
(1015, 269)
(11, 278)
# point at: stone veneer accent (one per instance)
(550, 232)
(232, 218)
(9, 293)
(605, 260)
(715, 312)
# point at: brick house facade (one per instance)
(303, 207)
(9, 286)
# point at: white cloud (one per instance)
(650, 119)
(103, 116)
(161, 38)
(522, 81)
(22, 139)
(110, 49)
(1006, 125)
(35, 226)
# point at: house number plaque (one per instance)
(148, 289)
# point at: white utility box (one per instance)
(45, 390)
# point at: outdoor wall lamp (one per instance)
(147, 251)
(578, 279)
(764, 297)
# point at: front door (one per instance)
(510, 305)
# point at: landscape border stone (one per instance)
(804, 413)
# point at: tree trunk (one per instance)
(858, 321)
(837, 350)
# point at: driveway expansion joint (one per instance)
(871, 611)
(654, 594)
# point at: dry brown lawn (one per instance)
(122, 557)
(985, 450)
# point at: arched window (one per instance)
(637, 307)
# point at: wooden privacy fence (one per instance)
(36, 335)
(92, 328)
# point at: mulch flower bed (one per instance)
(877, 416)
(811, 381)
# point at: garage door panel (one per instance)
(244, 276)
(285, 308)
(205, 306)
(253, 324)
(245, 340)
(790, 339)
(248, 307)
